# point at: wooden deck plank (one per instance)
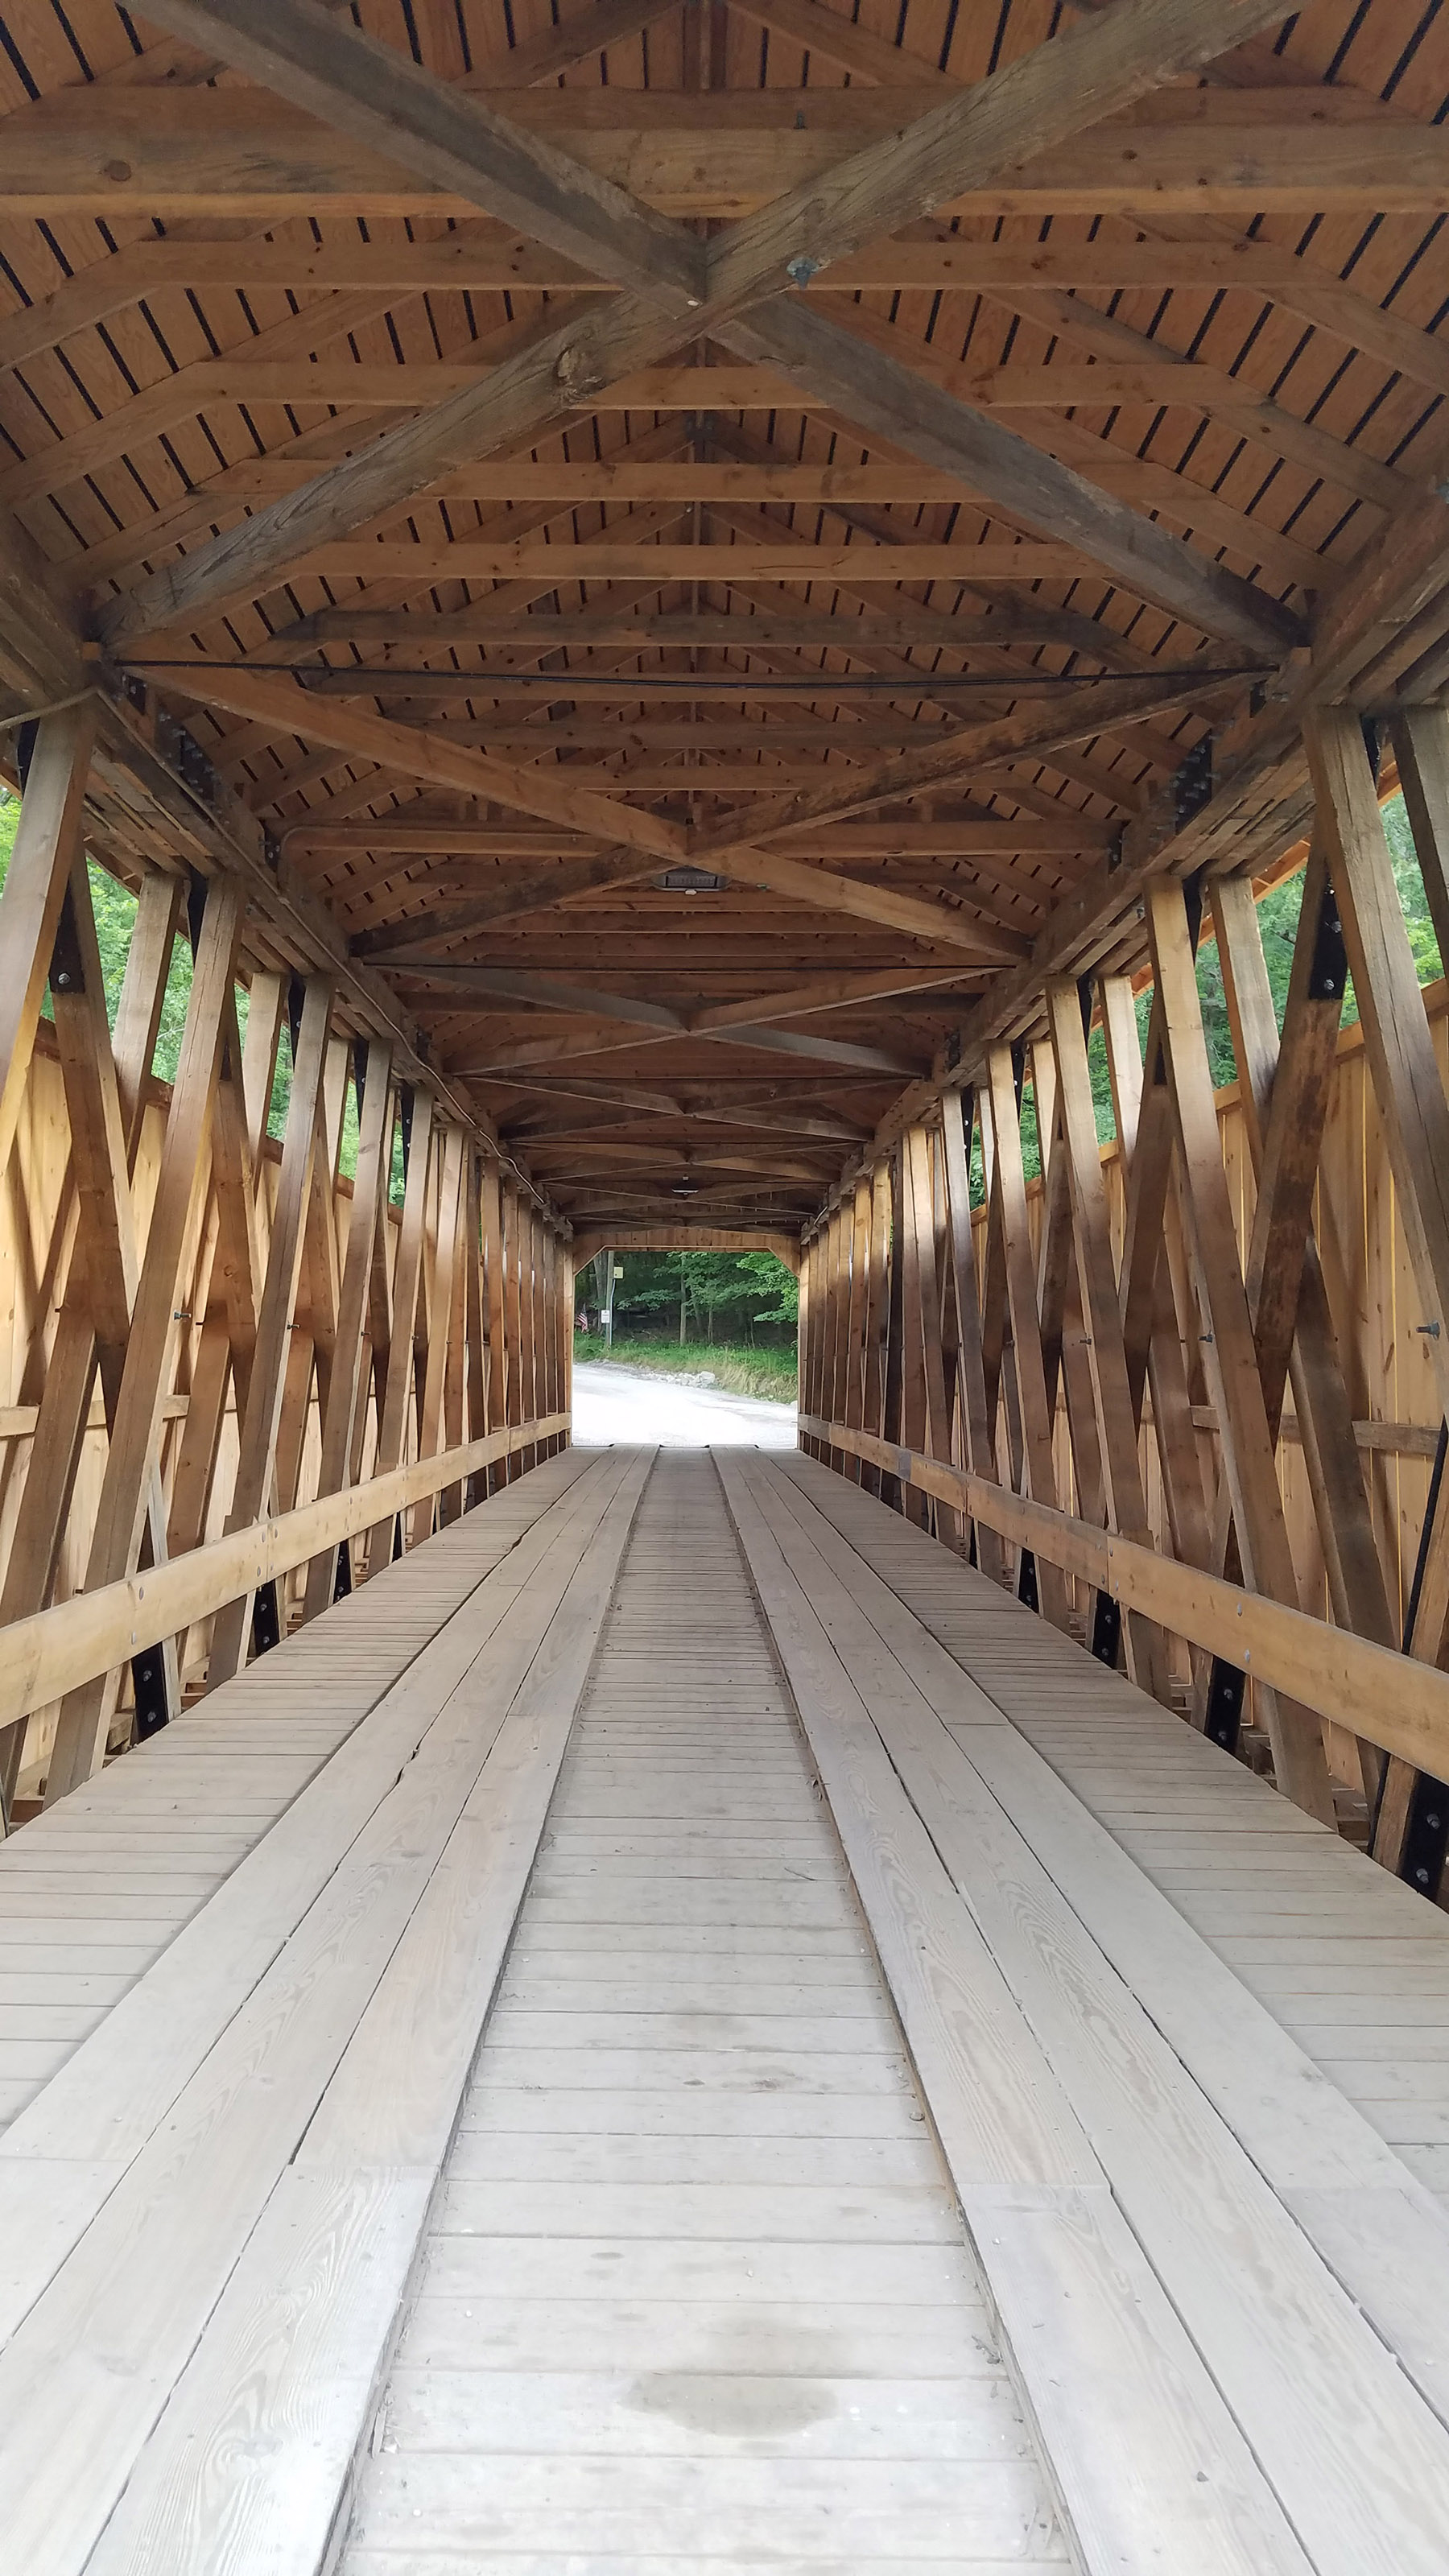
(182, 1812)
(156, 2262)
(694, 2278)
(1288, 2349)
(1140, 1771)
(692, 2154)
(1143, 2450)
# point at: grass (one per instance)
(734, 1368)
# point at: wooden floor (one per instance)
(695, 2286)
(99, 1885)
(728, 2044)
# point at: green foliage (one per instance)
(114, 907)
(751, 1294)
(758, 1372)
(1278, 921)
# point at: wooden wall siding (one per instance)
(1388, 1362)
(455, 1365)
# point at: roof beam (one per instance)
(487, 257)
(648, 838)
(1034, 105)
(231, 153)
(1029, 621)
(897, 403)
(950, 837)
(605, 1035)
(452, 140)
(1272, 273)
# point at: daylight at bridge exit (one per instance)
(724, 1288)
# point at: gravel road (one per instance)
(614, 1406)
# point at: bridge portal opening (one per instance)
(686, 1342)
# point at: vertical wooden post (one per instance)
(802, 1330)
(809, 1340)
(924, 1311)
(855, 1330)
(877, 1316)
(560, 1312)
(1038, 1467)
(393, 1425)
(1055, 1257)
(347, 1390)
(993, 1280)
(494, 1290)
(1150, 1335)
(257, 1453)
(956, 1125)
(1116, 1428)
(1285, 1096)
(445, 1261)
(455, 1374)
(1406, 1075)
(891, 1491)
(566, 1328)
(48, 840)
(475, 1321)
(837, 1292)
(543, 1316)
(1231, 1357)
(528, 1286)
(513, 1314)
(115, 1540)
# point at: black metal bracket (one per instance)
(342, 1580)
(148, 1681)
(1328, 972)
(266, 1620)
(195, 910)
(1227, 1689)
(1106, 1629)
(1426, 1828)
(183, 753)
(1026, 1583)
(1192, 784)
(67, 972)
(1426, 1836)
(1192, 901)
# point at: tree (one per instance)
(718, 1292)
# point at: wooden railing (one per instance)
(59, 1650)
(203, 1332)
(1388, 1699)
(1123, 1345)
